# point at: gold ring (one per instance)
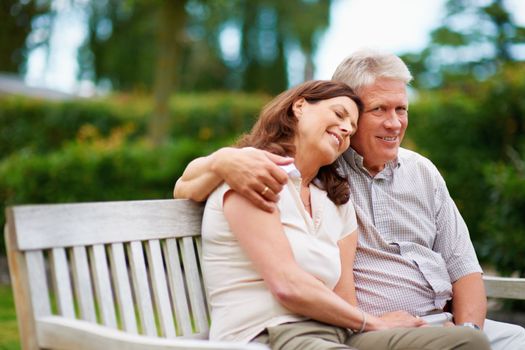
(265, 190)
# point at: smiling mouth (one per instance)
(336, 138)
(388, 138)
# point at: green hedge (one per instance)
(43, 126)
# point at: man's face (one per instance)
(382, 125)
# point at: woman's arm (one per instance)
(261, 236)
(246, 170)
(345, 287)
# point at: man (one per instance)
(414, 250)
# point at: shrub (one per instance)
(43, 126)
(471, 135)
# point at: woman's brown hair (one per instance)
(276, 127)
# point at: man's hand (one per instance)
(403, 319)
(253, 173)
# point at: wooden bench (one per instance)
(120, 275)
(109, 275)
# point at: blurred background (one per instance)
(109, 100)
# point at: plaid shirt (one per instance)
(413, 242)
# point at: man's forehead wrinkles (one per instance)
(386, 100)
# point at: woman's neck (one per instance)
(307, 168)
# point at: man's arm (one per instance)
(247, 171)
(469, 303)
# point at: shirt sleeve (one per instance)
(453, 239)
(216, 199)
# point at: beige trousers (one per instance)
(313, 335)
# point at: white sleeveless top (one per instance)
(241, 304)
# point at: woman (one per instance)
(270, 275)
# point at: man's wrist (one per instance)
(470, 325)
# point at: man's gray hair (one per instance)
(363, 67)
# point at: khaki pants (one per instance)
(313, 335)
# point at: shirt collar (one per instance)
(355, 160)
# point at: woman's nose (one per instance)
(345, 128)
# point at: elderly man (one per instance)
(414, 251)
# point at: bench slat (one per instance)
(198, 243)
(62, 282)
(82, 282)
(505, 287)
(102, 283)
(123, 294)
(160, 289)
(36, 275)
(141, 288)
(176, 282)
(195, 289)
(67, 225)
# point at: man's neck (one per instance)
(373, 170)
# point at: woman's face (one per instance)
(324, 128)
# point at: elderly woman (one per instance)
(285, 278)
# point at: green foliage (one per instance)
(42, 126)
(473, 135)
(17, 20)
(265, 29)
(8, 325)
(505, 220)
(474, 40)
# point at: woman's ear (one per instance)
(297, 107)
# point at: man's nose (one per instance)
(392, 121)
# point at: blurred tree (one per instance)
(19, 19)
(476, 38)
(237, 44)
(172, 19)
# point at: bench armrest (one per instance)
(505, 287)
(55, 332)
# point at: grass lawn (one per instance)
(8, 327)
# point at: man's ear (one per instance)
(297, 107)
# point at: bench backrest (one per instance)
(128, 265)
